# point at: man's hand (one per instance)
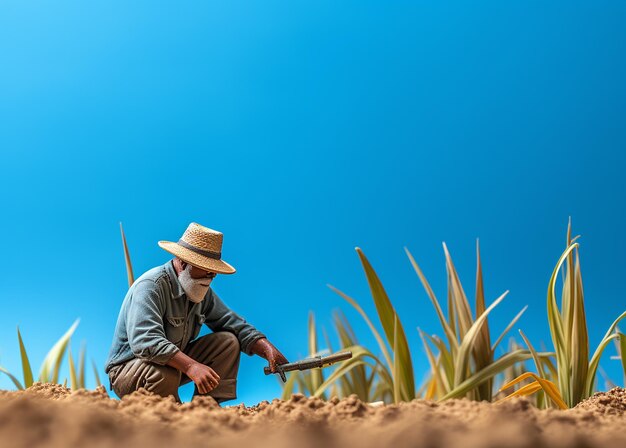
(265, 349)
(203, 376)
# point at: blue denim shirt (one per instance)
(157, 320)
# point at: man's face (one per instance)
(195, 282)
(197, 273)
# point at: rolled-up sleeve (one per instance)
(144, 324)
(222, 318)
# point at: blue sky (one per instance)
(302, 130)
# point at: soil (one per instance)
(49, 415)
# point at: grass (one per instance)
(573, 377)
(51, 365)
(465, 367)
(395, 369)
(464, 364)
(463, 361)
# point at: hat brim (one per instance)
(197, 260)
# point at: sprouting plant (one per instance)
(396, 373)
(465, 366)
(49, 371)
(575, 372)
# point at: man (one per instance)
(154, 345)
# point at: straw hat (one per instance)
(200, 247)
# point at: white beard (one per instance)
(195, 288)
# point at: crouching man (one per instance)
(155, 345)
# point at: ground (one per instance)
(48, 415)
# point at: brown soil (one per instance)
(53, 416)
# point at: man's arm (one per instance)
(251, 340)
(144, 324)
(220, 317)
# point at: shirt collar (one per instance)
(177, 289)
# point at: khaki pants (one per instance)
(219, 350)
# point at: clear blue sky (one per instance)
(301, 130)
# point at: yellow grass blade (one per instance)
(595, 359)
(461, 304)
(396, 363)
(508, 328)
(434, 365)
(387, 314)
(73, 382)
(95, 373)
(622, 351)
(548, 386)
(357, 381)
(81, 368)
(431, 390)
(15, 380)
(538, 363)
(498, 366)
(129, 266)
(446, 360)
(356, 306)
(450, 334)
(28, 373)
(463, 357)
(289, 386)
(316, 374)
(52, 363)
(556, 325)
(482, 352)
(523, 391)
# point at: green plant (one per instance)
(620, 347)
(395, 374)
(361, 376)
(575, 372)
(465, 366)
(51, 365)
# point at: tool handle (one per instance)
(310, 363)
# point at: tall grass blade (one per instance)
(622, 353)
(463, 357)
(129, 266)
(387, 314)
(482, 352)
(315, 374)
(448, 330)
(508, 328)
(463, 312)
(95, 373)
(73, 376)
(27, 371)
(396, 363)
(81, 368)
(289, 386)
(356, 306)
(52, 363)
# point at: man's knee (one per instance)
(160, 379)
(229, 340)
